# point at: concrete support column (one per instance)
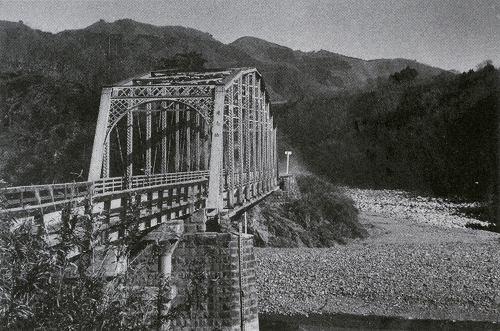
(167, 291)
(188, 141)
(232, 304)
(230, 149)
(148, 166)
(214, 201)
(130, 148)
(98, 149)
(197, 142)
(164, 146)
(165, 260)
(253, 130)
(243, 138)
(177, 157)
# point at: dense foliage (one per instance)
(314, 214)
(43, 288)
(50, 84)
(408, 131)
(436, 136)
(47, 123)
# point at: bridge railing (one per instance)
(25, 196)
(114, 184)
(242, 178)
(22, 197)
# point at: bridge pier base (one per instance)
(206, 281)
(215, 276)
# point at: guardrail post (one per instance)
(170, 201)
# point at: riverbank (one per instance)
(407, 267)
(421, 209)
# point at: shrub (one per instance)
(41, 288)
(320, 216)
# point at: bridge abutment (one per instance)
(215, 275)
(211, 276)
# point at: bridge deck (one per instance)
(33, 198)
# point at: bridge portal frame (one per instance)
(234, 104)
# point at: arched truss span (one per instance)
(238, 141)
(121, 107)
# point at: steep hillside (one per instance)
(106, 52)
(322, 72)
(50, 83)
(436, 136)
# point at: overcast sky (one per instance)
(451, 34)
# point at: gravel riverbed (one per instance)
(422, 209)
(419, 262)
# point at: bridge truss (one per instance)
(218, 121)
(203, 139)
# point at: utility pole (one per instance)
(288, 153)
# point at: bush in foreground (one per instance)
(42, 289)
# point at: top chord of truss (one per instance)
(174, 77)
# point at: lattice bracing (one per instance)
(163, 91)
(179, 121)
(119, 107)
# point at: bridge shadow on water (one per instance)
(345, 322)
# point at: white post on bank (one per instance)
(288, 153)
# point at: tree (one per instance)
(191, 61)
(406, 75)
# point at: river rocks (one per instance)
(401, 204)
(411, 265)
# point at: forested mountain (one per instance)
(321, 72)
(437, 136)
(104, 53)
(50, 83)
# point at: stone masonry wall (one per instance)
(205, 269)
(206, 277)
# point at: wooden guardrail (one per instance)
(114, 184)
(22, 197)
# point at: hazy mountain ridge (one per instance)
(51, 83)
(124, 48)
(325, 71)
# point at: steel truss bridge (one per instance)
(176, 143)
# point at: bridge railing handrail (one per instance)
(20, 196)
(41, 194)
(113, 184)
